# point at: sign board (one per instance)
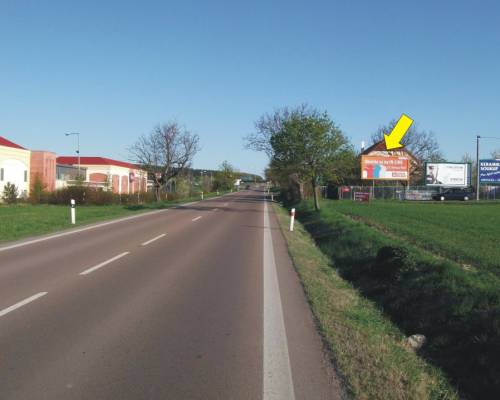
(361, 196)
(385, 168)
(489, 171)
(447, 174)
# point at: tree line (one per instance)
(307, 149)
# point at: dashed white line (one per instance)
(277, 374)
(196, 219)
(88, 271)
(22, 303)
(153, 240)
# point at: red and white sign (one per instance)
(361, 196)
(385, 168)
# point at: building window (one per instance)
(25, 176)
(1, 174)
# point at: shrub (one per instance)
(10, 193)
(38, 194)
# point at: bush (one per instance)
(10, 193)
(38, 194)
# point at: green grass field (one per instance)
(403, 256)
(25, 220)
(467, 233)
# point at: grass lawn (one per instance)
(25, 220)
(468, 233)
(369, 351)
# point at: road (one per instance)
(197, 302)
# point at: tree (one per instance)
(311, 146)
(165, 153)
(269, 125)
(38, 192)
(10, 193)
(422, 144)
(225, 177)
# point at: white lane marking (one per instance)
(22, 303)
(72, 232)
(88, 271)
(154, 239)
(277, 373)
(87, 228)
(225, 204)
(196, 219)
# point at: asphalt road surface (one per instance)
(198, 302)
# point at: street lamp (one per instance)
(77, 134)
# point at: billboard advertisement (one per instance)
(447, 174)
(385, 168)
(489, 171)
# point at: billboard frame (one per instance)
(408, 169)
(469, 174)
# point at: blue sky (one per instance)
(113, 70)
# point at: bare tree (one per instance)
(165, 152)
(269, 125)
(422, 144)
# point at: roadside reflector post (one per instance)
(202, 195)
(217, 192)
(272, 196)
(73, 212)
(292, 219)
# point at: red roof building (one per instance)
(8, 143)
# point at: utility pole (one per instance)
(477, 167)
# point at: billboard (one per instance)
(385, 168)
(447, 174)
(489, 171)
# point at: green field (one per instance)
(467, 233)
(25, 220)
(432, 268)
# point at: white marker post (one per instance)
(73, 212)
(202, 195)
(292, 219)
(272, 196)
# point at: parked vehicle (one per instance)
(455, 194)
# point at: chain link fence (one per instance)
(418, 193)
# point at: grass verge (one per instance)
(369, 351)
(25, 220)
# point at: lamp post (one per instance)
(77, 134)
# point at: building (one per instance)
(67, 175)
(118, 176)
(43, 166)
(14, 166)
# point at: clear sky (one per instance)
(112, 70)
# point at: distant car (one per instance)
(454, 194)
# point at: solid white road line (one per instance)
(277, 374)
(154, 239)
(196, 219)
(73, 231)
(22, 303)
(88, 271)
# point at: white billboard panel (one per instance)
(447, 174)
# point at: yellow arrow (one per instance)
(393, 140)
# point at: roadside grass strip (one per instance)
(369, 352)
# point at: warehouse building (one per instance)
(118, 176)
(14, 166)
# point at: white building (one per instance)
(118, 176)
(14, 166)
